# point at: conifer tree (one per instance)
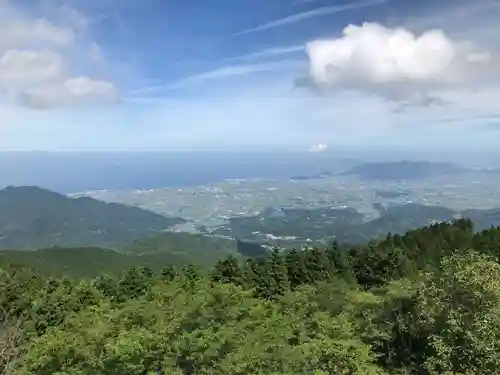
(227, 271)
(168, 274)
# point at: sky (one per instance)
(176, 75)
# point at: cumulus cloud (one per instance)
(396, 63)
(36, 57)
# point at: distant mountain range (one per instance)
(402, 170)
(396, 171)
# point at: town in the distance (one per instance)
(358, 202)
(364, 201)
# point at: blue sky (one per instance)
(198, 75)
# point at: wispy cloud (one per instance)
(228, 71)
(270, 52)
(220, 73)
(477, 118)
(318, 12)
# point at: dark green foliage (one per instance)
(483, 219)
(296, 268)
(83, 262)
(184, 248)
(134, 283)
(168, 273)
(250, 249)
(76, 262)
(190, 275)
(276, 276)
(106, 285)
(156, 252)
(293, 226)
(227, 271)
(268, 277)
(290, 223)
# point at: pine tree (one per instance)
(107, 286)
(253, 271)
(227, 271)
(296, 268)
(168, 274)
(146, 272)
(318, 265)
(132, 285)
(190, 275)
(335, 245)
(277, 281)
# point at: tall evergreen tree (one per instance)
(296, 268)
(168, 274)
(227, 271)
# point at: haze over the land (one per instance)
(249, 75)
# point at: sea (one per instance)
(76, 172)
(72, 172)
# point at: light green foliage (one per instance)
(461, 306)
(219, 330)
(418, 304)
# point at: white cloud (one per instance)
(318, 12)
(20, 68)
(76, 90)
(37, 56)
(23, 31)
(319, 147)
(397, 64)
(235, 106)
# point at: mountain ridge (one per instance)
(32, 217)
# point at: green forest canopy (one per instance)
(427, 302)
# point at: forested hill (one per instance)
(32, 217)
(424, 303)
(156, 252)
